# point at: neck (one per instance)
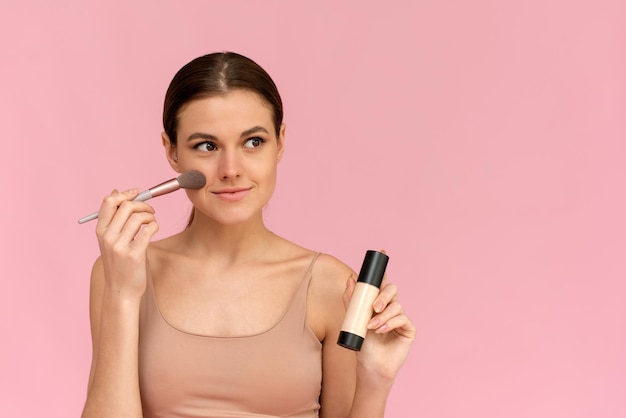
(227, 244)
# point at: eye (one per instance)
(205, 146)
(254, 142)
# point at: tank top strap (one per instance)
(298, 309)
(308, 274)
(306, 280)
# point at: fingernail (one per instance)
(382, 329)
(373, 323)
(378, 307)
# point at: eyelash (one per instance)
(197, 146)
(260, 141)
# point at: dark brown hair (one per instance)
(216, 74)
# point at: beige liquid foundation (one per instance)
(361, 308)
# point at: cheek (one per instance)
(267, 171)
(205, 167)
(210, 173)
(192, 195)
(270, 182)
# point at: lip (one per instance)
(231, 194)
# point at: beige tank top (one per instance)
(276, 373)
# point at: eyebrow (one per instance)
(245, 133)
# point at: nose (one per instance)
(229, 166)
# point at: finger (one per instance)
(388, 293)
(347, 294)
(134, 224)
(124, 225)
(126, 209)
(110, 204)
(392, 310)
(146, 233)
(401, 325)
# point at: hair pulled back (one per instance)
(216, 74)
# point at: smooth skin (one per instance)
(232, 265)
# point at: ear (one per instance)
(281, 141)
(170, 152)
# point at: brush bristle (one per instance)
(191, 180)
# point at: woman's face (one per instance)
(231, 139)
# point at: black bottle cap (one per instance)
(373, 268)
(350, 340)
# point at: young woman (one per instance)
(227, 319)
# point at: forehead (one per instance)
(236, 109)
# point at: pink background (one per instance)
(482, 144)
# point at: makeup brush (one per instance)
(188, 180)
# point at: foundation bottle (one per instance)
(360, 308)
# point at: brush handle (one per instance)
(88, 218)
(158, 190)
(141, 197)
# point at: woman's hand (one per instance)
(390, 336)
(124, 230)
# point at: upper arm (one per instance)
(96, 292)
(328, 311)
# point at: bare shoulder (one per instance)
(325, 299)
(164, 251)
(330, 275)
(167, 244)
